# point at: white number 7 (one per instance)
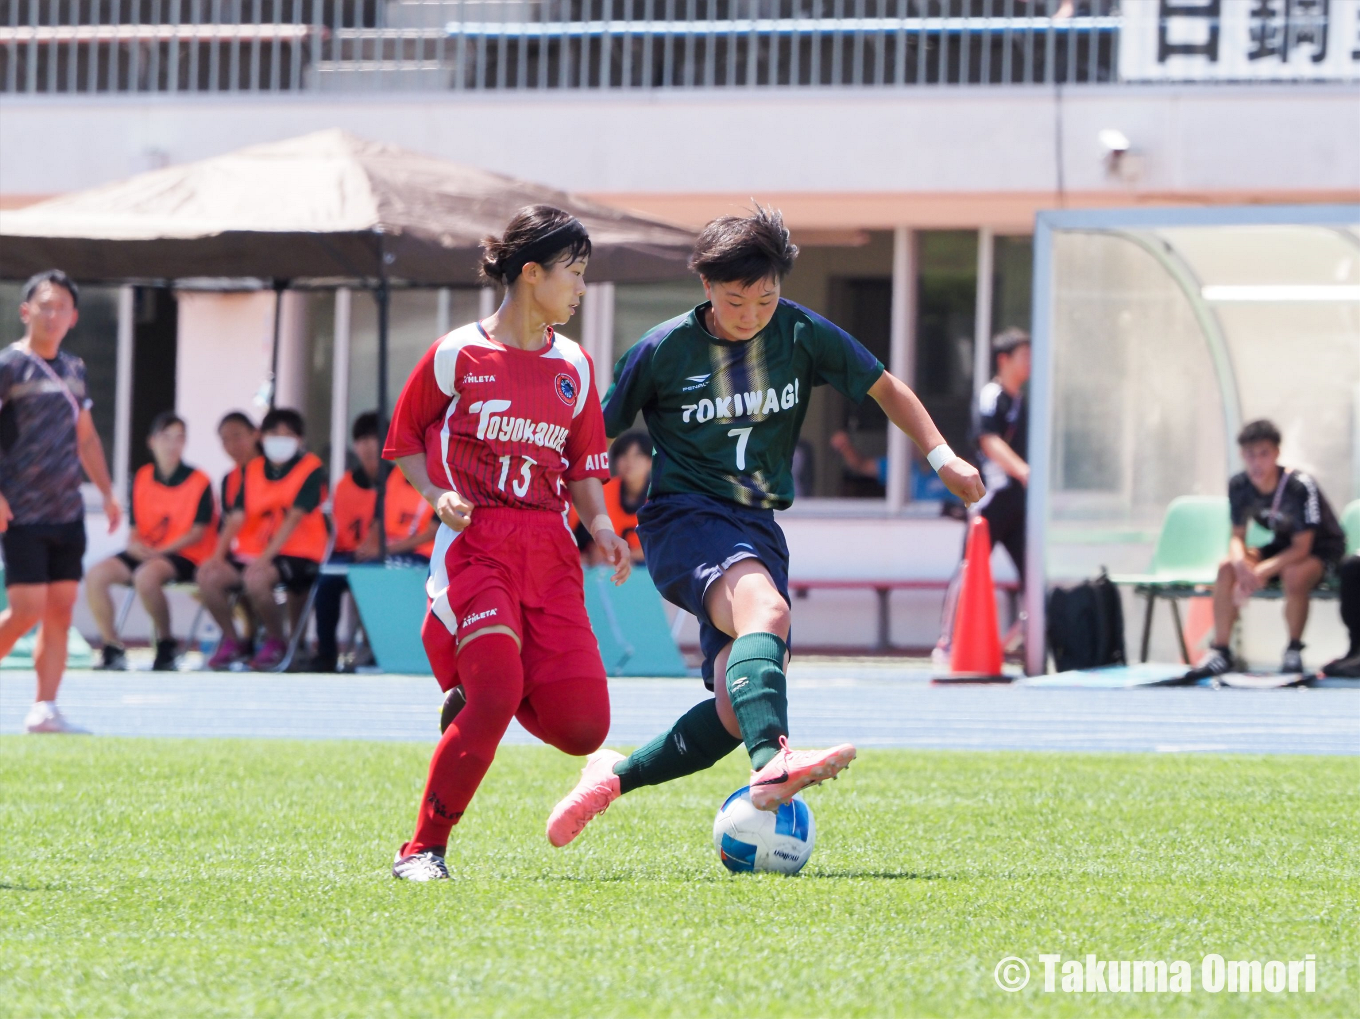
(743, 436)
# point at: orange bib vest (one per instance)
(352, 510)
(625, 523)
(406, 512)
(268, 502)
(165, 513)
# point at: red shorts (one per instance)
(515, 568)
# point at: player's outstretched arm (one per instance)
(450, 507)
(587, 495)
(907, 412)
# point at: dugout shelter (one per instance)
(1157, 333)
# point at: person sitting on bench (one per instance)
(411, 529)
(281, 535)
(173, 517)
(1348, 665)
(1306, 541)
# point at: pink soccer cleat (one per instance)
(792, 771)
(598, 788)
(228, 651)
(271, 653)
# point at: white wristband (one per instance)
(939, 456)
(602, 522)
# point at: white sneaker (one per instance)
(940, 659)
(45, 716)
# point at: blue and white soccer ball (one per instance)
(748, 838)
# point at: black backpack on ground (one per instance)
(1086, 625)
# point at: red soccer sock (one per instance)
(493, 679)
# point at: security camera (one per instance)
(1114, 141)
(1120, 158)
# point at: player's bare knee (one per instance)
(22, 617)
(1227, 573)
(1298, 580)
(147, 581)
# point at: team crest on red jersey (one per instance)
(566, 388)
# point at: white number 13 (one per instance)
(520, 486)
(743, 436)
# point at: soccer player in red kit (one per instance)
(498, 425)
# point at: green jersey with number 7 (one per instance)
(724, 416)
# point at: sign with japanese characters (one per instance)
(1240, 40)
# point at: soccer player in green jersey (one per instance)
(724, 390)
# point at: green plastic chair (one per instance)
(1350, 523)
(1192, 542)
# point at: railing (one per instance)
(123, 46)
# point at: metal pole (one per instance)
(383, 296)
(1040, 451)
(122, 391)
(340, 385)
(279, 287)
(903, 321)
(982, 320)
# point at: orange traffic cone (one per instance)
(977, 638)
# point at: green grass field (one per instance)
(142, 877)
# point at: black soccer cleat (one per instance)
(454, 701)
(427, 865)
(1343, 668)
(113, 658)
(1214, 663)
(167, 654)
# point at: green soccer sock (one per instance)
(759, 694)
(698, 740)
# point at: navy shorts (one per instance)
(689, 540)
(43, 553)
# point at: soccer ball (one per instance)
(748, 838)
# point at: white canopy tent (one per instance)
(1157, 333)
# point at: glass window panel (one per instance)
(847, 277)
(1137, 411)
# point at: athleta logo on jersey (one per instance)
(493, 424)
(756, 403)
(477, 617)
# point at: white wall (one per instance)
(223, 357)
(1190, 140)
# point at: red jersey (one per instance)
(499, 425)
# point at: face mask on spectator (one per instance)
(280, 449)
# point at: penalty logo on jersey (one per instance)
(566, 388)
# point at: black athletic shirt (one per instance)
(1303, 507)
(996, 412)
(40, 472)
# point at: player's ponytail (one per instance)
(538, 233)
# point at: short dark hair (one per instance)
(1261, 430)
(744, 249)
(287, 417)
(58, 279)
(1009, 341)
(365, 426)
(236, 417)
(164, 420)
(538, 233)
(635, 439)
